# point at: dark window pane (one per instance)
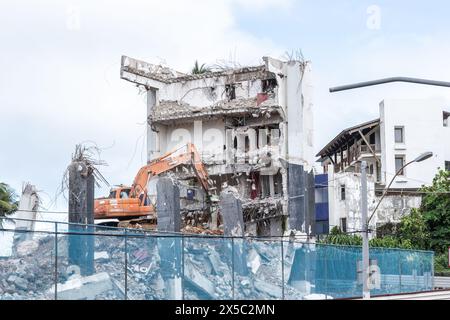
(399, 162)
(399, 135)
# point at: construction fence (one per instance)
(72, 261)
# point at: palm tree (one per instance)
(199, 69)
(8, 202)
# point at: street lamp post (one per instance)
(365, 232)
(365, 222)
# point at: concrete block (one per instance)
(101, 256)
(269, 289)
(200, 282)
(254, 261)
(27, 247)
(231, 209)
(84, 288)
(168, 205)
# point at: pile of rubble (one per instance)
(205, 261)
(29, 272)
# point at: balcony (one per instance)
(355, 153)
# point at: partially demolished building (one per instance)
(253, 127)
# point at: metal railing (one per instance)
(54, 263)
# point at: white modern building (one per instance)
(404, 130)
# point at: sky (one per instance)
(60, 63)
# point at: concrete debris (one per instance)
(208, 271)
(199, 281)
(101, 256)
(27, 247)
(84, 288)
(175, 110)
(200, 230)
(254, 261)
(274, 291)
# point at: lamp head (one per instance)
(423, 156)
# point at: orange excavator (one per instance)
(133, 202)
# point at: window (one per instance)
(378, 172)
(230, 90)
(447, 165)
(343, 192)
(399, 163)
(399, 135)
(125, 193)
(344, 224)
(446, 116)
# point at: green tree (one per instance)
(197, 69)
(8, 202)
(435, 210)
(414, 229)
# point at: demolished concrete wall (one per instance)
(243, 121)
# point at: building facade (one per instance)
(404, 130)
(251, 125)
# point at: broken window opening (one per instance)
(247, 144)
(278, 183)
(265, 186)
(255, 187)
(342, 192)
(269, 85)
(343, 224)
(230, 90)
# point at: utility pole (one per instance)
(365, 232)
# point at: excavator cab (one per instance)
(126, 202)
(120, 204)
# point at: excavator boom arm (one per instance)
(168, 162)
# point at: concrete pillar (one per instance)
(81, 211)
(229, 154)
(233, 225)
(296, 194)
(152, 151)
(170, 248)
(302, 270)
(232, 216)
(28, 205)
(262, 137)
(168, 205)
(310, 207)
